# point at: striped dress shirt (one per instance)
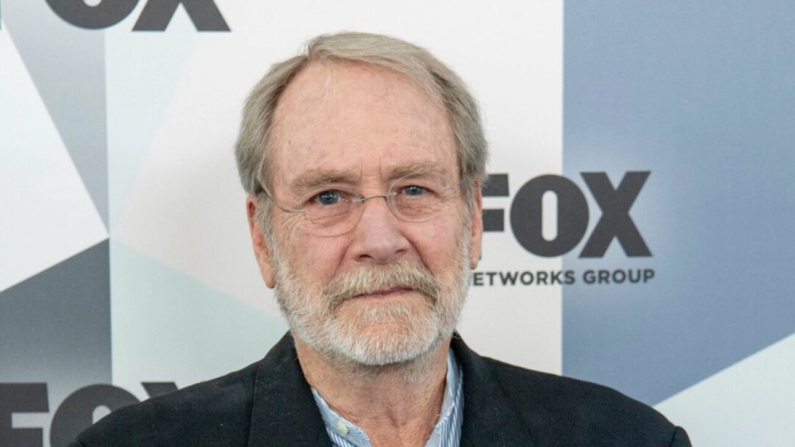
(446, 433)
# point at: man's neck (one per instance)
(396, 405)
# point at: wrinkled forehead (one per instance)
(357, 118)
(325, 83)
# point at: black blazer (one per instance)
(270, 404)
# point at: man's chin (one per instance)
(376, 352)
(383, 341)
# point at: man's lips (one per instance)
(385, 292)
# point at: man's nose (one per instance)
(378, 236)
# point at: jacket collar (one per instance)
(284, 411)
(490, 417)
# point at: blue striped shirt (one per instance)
(446, 433)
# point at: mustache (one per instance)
(374, 278)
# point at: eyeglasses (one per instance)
(335, 210)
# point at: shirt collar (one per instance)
(340, 429)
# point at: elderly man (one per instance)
(363, 159)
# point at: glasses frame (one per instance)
(359, 201)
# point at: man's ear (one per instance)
(476, 235)
(261, 249)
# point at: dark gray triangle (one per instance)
(67, 65)
(55, 326)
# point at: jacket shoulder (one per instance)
(212, 413)
(571, 411)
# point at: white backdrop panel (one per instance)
(186, 208)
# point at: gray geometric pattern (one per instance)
(702, 95)
(55, 326)
(698, 93)
(67, 65)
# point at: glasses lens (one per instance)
(417, 199)
(412, 199)
(330, 213)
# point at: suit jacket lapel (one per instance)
(284, 411)
(490, 418)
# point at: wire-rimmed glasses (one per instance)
(335, 210)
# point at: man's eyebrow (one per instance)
(418, 170)
(321, 177)
(315, 178)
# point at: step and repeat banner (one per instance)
(638, 221)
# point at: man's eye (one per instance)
(327, 198)
(414, 190)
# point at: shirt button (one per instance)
(342, 427)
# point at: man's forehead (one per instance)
(319, 92)
(346, 118)
(319, 79)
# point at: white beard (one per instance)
(394, 331)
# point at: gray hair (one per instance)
(428, 73)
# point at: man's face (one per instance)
(388, 290)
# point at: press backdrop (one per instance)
(638, 222)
